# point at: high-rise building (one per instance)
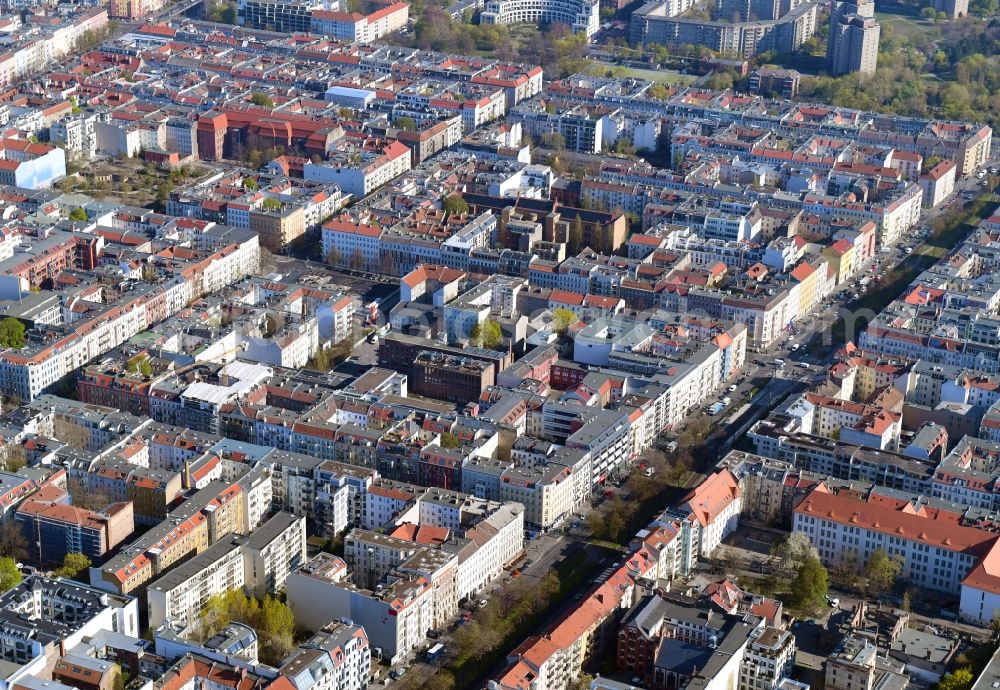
(852, 45)
(955, 9)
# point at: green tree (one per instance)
(658, 92)
(73, 565)
(882, 571)
(455, 204)
(12, 333)
(562, 319)
(78, 214)
(487, 334)
(624, 147)
(959, 679)
(12, 541)
(261, 99)
(450, 440)
(554, 141)
(847, 571)
(720, 80)
(271, 205)
(145, 368)
(250, 184)
(12, 457)
(576, 234)
(10, 576)
(405, 123)
(792, 551)
(810, 585)
(273, 621)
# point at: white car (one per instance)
(732, 388)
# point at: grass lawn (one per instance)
(910, 25)
(666, 76)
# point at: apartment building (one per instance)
(361, 167)
(273, 551)
(770, 659)
(852, 44)
(396, 616)
(938, 183)
(360, 28)
(338, 657)
(273, 15)
(659, 632)
(182, 594)
(580, 15)
(54, 528)
(351, 242)
(654, 23)
(936, 551)
(546, 492)
(258, 563)
(709, 514)
(42, 618)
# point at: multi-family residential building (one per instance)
(360, 28)
(580, 15)
(259, 563)
(935, 551)
(395, 617)
(938, 183)
(360, 167)
(853, 39)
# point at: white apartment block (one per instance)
(547, 493)
(338, 657)
(938, 183)
(273, 551)
(713, 510)
(580, 15)
(361, 168)
(78, 133)
(395, 617)
(358, 28)
(500, 541)
(352, 242)
(936, 553)
(259, 563)
(183, 593)
(769, 659)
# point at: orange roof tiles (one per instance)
(712, 496)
